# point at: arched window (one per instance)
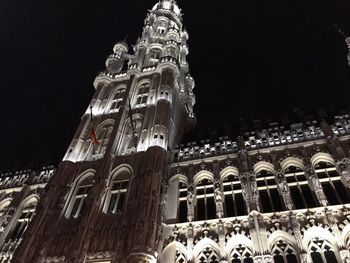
(180, 257)
(300, 192)
(23, 220)
(117, 100)
(333, 188)
(208, 255)
(205, 208)
(270, 199)
(132, 134)
(322, 251)
(284, 253)
(80, 193)
(154, 56)
(182, 211)
(117, 193)
(234, 202)
(241, 254)
(142, 95)
(103, 135)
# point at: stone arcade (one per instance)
(275, 195)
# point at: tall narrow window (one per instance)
(233, 204)
(117, 196)
(103, 135)
(117, 100)
(301, 194)
(205, 208)
(335, 191)
(182, 211)
(22, 222)
(142, 95)
(154, 56)
(77, 203)
(270, 200)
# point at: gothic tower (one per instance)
(106, 200)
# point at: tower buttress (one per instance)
(111, 182)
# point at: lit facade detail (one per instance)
(138, 195)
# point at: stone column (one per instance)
(250, 191)
(299, 238)
(343, 169)
(218, 200)
(315, 184)
(343, 251)
(283, 189)
(190, 205)
(258, 235)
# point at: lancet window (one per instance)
(284, 252)
(142, 95)
(78, 198)
(234, 202)
(322, 251)
(205, 208)
(241, 254)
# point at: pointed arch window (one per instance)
(117, 100)
(78, 197)
(208, 255)
(142, 95)
(23, 221)
(180, 257)
(117, 193)
(284, 253)
(241, 254)
(322, 251)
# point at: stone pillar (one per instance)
(190, 244)
(283, 189)
(218, 200)
(221, 234)
(299, 238)
(258, 235)
(343, 251)
(343, 169)
(250, 191)
(315, 185)
(190, 205)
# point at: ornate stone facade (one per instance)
(125, 192)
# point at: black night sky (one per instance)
(250, 59)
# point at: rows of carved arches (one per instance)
(294, 181)
(317, 246)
